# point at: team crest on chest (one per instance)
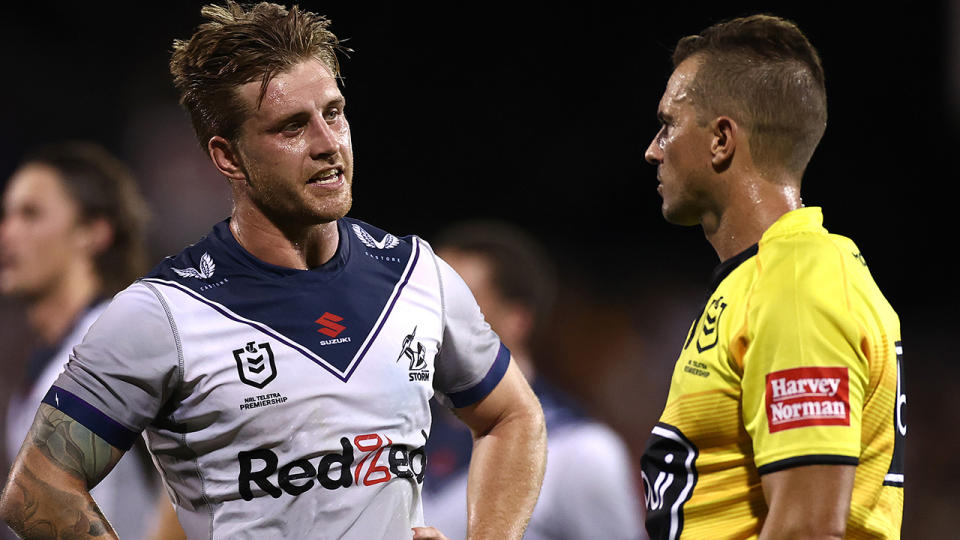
(416, 353)
(707, 330)
(255, 364)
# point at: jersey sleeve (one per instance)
(472, 359)
(124, 370)
(804, 371)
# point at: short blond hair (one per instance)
(239, 45)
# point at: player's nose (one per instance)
(324, 142)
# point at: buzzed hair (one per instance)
(762, 71)
(239, 45)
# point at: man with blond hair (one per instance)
(281, 367)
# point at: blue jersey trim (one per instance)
(480, 390)
(102, 425)
(386, 313)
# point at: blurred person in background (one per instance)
(281, 367)
(785, 412)
(589, 489)
(71, 238)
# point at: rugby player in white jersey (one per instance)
(281, 367)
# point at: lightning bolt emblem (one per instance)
(56, 397)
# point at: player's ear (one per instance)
(96, 235)
(724, 143)
(225, 157)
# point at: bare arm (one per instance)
(47, 494)
(809, 502)
(509, 456)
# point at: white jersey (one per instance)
(286, 403)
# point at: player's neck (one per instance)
(753, 206)
(52, 314)
(292, 246)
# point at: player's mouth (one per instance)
(330, 178)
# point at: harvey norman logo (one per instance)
(808, 396)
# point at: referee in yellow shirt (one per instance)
(785, 412)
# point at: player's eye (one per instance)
(292, 128)
(331, 115)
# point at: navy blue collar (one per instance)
(222, 233)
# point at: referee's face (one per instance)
(681, 151)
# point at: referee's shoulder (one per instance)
(806, 258)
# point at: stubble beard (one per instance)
(289, 207)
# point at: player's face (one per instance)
(41, 238)
(295, 148)
(681, 151)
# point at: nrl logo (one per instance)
(206, 269)
(388, 241)
(255, 364)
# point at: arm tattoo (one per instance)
(73, 517)
(71, 446)
(42, 500)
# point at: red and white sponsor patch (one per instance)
(808, 396)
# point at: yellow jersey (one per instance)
(795, 360)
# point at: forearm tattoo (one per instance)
(72, 446)
(46, 511)
(37, 505)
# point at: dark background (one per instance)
(539, 115)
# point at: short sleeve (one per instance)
(123, 371)
(804, 372)
(472, 359)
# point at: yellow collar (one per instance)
(806, 219)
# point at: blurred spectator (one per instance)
(589, 489)
(71, 237)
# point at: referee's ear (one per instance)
(225, 158)
(724, 143)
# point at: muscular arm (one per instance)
(47, 494)
(809, 502)
(509, 456)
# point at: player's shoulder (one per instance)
(136, 314)
(372, 236)
(197, 261)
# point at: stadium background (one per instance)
(539, 115)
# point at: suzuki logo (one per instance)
(329, 322)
